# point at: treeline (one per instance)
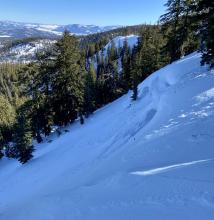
(189, 24)
(69, 81)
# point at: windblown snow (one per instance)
(150, 159)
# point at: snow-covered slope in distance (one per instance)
(150, 159)
(118, 41)
(24, 52)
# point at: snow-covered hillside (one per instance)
(118, 42)
(24, 52)
(150, 159)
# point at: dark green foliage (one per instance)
(205, 14)
(90, 91)
(185, 25)
(23, 134)
(7, 120)
(42, 95)
(9, 94)
(35, 80)
(171, 28)
(135, 73)
(148, 52)
(126, 54)
(67, 86)
(135, 82)
(177, 26)
(8, 81)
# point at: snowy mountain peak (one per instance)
(10, 29)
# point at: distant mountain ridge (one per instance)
(15, 30)
(25, 52)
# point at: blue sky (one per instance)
(98, 12)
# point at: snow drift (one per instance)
(149, 159)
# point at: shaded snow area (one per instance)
(25, 52)
(150, 159)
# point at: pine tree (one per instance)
(126, 66)
(68, 89)
(42, 94)
(112, 52)
(171, 24)
(111, 90)
(205, 15)
(90, 93)
(7, 120)
(91, 51)
(23, 134)
(36, 79)
(135, 74)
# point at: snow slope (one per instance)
(150, 159)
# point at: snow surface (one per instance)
(150, 159)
